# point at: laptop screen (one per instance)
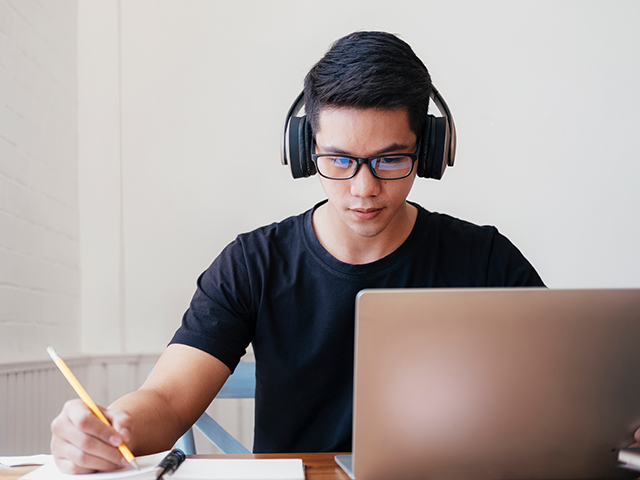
(495, 383)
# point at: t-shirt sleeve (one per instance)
(219, 320)
(508, 267)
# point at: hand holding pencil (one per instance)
(86, 400)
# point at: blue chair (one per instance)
(240, 384)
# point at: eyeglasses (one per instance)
(344, 167)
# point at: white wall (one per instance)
(39, 249)
(100, 173)
(543, 93)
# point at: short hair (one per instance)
(369, 70)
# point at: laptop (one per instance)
(485, 384)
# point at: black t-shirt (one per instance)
(278, 288)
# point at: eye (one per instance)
(396, 162)
(391, 160)
(340, 162)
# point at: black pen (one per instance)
(170, 463)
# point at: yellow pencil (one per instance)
(84, 396)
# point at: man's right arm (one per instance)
(181, 386)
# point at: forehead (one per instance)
(362, 131)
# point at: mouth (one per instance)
(366, 213)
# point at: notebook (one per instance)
(191, 469)
(484, 384)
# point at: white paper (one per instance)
(191, 469)
(240, 469)
(148, 466)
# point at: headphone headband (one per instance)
(452, 139)
(293, 112)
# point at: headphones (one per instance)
(436, 151)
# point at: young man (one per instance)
(289, 288)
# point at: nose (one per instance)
(364, 184)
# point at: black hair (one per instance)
(369, 70)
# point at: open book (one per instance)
(191, 469)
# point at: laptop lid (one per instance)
(495, 383)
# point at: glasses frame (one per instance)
(364, 161)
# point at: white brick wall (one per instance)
(39, 244)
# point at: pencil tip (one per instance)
(135, 464)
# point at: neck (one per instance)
(347, 246)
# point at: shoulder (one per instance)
(288, 226)
(269, 243)
(243, 264)
(448, 228)
(489, 256)
(285, 231)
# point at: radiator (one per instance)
(33, 393)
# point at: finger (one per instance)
(83, 420)
(76, 438)
(67, 466)
(636, 436)
(71, 459)
(121, 422)
(84, 451)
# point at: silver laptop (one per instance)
(484, 384)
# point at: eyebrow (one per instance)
(394, 147)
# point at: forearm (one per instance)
(182, 384)
(155, 424)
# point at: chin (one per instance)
(366, 231)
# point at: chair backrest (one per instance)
(240, 384)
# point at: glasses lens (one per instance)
(392, 166)
(335, 167)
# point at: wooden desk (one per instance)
(318, 466)
(16, 472)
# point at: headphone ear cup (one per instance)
(294, 147)
(307, 148)
(427, 145)
(440, 156)
(434, 149)
(298, 147)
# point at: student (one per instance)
(289, 288)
